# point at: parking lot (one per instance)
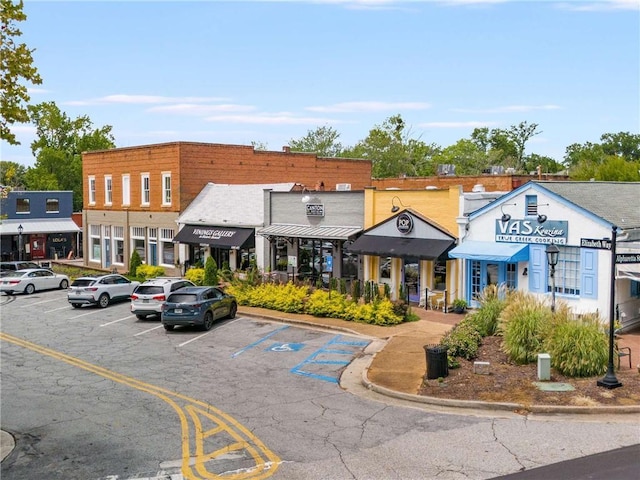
(226, 375)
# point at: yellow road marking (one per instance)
(266, 462)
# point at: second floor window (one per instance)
(53, 205)
(92, 190)
(145, 189)
(108, 190)
(23, 205)
(166, 189)
(126, 190)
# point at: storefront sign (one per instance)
(597, 243)
(404, 223)
(531, 231)
(628, 258)
(213, 233)
(292, 261)
(315, 210)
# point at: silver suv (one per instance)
(101, 290)
(149, 296)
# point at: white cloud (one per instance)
(470, 124)
(509, 109)
(120, 99)
(37, 91)
(193, 109)
(599, 5)
(359, 107)
(271, 119)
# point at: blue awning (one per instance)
(491, 251)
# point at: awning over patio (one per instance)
(401, 247)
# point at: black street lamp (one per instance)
(610, 380)
(552, 252)
(20, 229)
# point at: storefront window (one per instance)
(567, 276)
(512, 269)
(350, 265)
(440, 275)
(385, 269)
(281, 255)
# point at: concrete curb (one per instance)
(452, 403)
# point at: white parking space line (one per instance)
(147, 331)
(194, 338)
(68, 307)
(86, 314)
(45, 301)
(119, 320)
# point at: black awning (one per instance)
(400, 247)
(219, 237)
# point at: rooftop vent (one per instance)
(446, 169)
(342, 187)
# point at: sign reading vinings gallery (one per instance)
(532, 231)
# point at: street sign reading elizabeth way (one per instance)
(598, 243)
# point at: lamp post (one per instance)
(20, 229)
(552, 252)
(610, 380)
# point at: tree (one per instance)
(547, 164)
(623, 144)
(392, 151)
(58, 149)
(16, 62)
(612, 169)
(12, 174)
(323, 141)
(519, 135)
(465, 154)
(210, 272)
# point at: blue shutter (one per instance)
(588, 273)
(537, 269)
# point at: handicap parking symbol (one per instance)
(285, 347)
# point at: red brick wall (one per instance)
(193, 165)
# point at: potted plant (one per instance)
(459, 305)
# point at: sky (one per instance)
(268, 72)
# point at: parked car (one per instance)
(199, 306)
(149, 296)
(31, 280)
(100, 290)
(6, 267)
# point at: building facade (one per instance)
(133, 196)
(505, 243)
(38, 225)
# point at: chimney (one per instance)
(286, 149)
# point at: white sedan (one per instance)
(31, 279)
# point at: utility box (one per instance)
(544, 366)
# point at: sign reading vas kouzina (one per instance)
(213, 233)
(532, 231)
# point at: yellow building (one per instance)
(406, 239)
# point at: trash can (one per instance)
(437, 364)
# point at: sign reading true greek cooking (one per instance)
(213, 233)
(315, 210)
(404, 223)
(531, 231)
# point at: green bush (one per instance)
(356, 290)
(196, 275)
(525, 323)
(210, 272)
(378, 312)
(579, 348)
(225, 272)
(486, 317)
(149, 271)
(134, 262)
(463, 340)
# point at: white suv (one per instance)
(149, 296)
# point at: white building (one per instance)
(505, 242)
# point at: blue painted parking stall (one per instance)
(332, 353)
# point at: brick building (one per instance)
(134, 195)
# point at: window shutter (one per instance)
(589, 273)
